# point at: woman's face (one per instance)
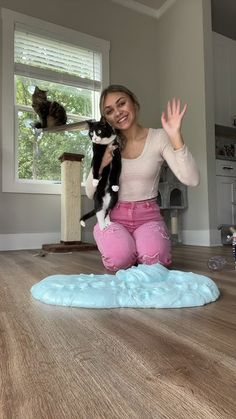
(119, 110)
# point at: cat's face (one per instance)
(39, 95)
(101, 132)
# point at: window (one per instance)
(73, 68)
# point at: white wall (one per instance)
(185, 70)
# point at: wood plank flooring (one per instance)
(60, 362)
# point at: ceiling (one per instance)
(223, 12)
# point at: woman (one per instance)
(138, 233)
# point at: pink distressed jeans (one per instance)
(137, 234)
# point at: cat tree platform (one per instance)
(70, 207)
(68, 127)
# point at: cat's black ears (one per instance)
(90, 122)
(102, 120)
(37, 90)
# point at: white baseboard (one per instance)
(201, 237)
(27, 241)
(36, 240)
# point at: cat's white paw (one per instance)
(95, 182)
(115, 188)
(104, 224)
(82, 223)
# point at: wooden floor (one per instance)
(59, 362)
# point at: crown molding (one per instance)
(164, 8)
(146, 10)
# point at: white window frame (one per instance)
(10, 183)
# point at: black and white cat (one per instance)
(107, 186)
(50, 113)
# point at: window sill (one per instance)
(35, 188)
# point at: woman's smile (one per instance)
(122, 119)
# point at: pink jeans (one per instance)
(137, 234)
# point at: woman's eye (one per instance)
(108, 112)
(122, 103)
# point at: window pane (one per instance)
(76, 101)
(38, 154)
(35, 52)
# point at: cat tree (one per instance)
(70, 198)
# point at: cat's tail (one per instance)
(86, 217)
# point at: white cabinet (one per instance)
(226, 192)
(226, 168)
(224, 59)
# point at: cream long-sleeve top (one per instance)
(139, 177)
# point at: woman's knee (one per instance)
(116, 246)
(153, 243)
(116, 262)
(162, 256)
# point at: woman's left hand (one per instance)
(172, 120)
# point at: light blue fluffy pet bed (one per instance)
(144, 286)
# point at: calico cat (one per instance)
(50, 113)
(107, 186)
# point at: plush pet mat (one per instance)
(144, 286)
